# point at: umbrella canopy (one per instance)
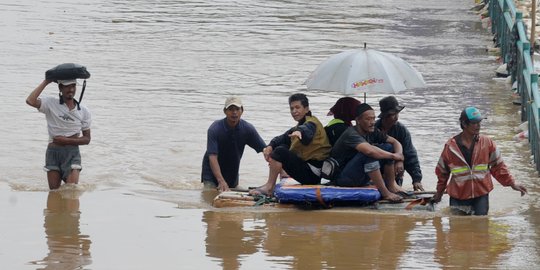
(364, 71)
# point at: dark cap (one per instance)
(388, 105)
(471, 114)
(360, 109)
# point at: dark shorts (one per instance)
(355, 172)
(297, 168)
(63, 159)
(477, 206)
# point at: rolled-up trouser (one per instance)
(63, 159)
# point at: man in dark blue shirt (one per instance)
(388, 123)
(227, 139)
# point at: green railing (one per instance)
(511, 36)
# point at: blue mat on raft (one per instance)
(320, 194)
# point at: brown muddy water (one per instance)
(160, 73)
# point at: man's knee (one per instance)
(280, 154)
(386, 147)
(280, 150)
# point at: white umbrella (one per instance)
(364, 71)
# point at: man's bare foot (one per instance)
(392, 197)
(262, 190)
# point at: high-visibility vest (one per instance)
(463, 181)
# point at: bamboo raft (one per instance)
(323, 197)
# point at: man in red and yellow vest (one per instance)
(469, 160)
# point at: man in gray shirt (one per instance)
(362, 150)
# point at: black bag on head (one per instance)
(67, 71)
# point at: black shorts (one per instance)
(297, 168)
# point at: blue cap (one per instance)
(471, 114)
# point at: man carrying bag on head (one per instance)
(68, 125)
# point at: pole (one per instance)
(533, 26)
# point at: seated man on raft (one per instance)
(300, 151)
(362, 150)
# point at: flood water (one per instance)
(161, 71)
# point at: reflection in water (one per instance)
(310, 240)
(470, 242)
(68, 248)
(208, 195)
(357, 240)
(227, 239)
(191, 54)
(343, 240)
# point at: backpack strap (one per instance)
(81, 96)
